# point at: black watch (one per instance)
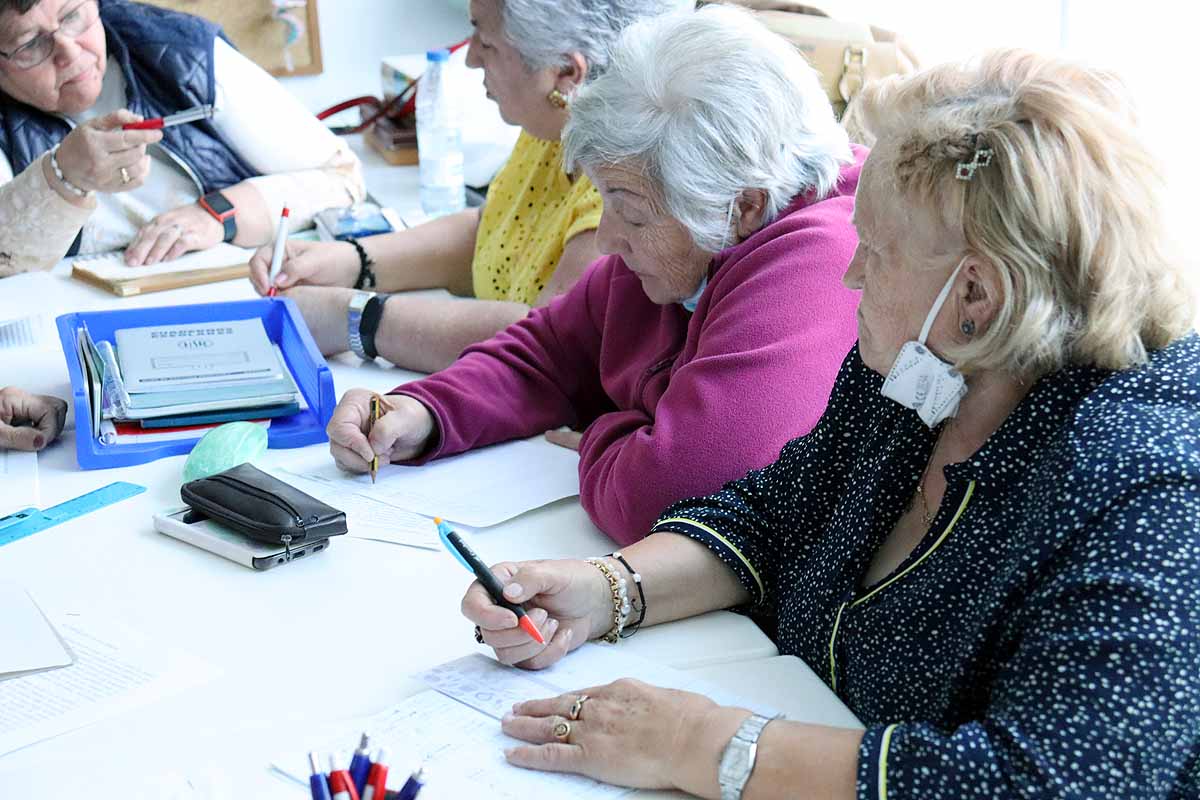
(372, 315)
(223, 211)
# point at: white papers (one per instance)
(21, 294)
(115, 670)
(28, 642)
(111, 266)
(18, 481)
(455, 731)
(366, 518)
(483, 487)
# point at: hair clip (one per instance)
(965, 170)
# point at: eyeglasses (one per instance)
(41, 47)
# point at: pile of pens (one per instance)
(364, 779)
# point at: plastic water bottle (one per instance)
(439, 139)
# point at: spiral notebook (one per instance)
(108, 270)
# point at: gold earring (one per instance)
(557, 99)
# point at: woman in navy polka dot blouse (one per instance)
(999, 576)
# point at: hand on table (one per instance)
(626, 733)
(567, 439)
(569, 601)
(29, 421)
(93, 155)
(312, 263)
(173, 233)
(402, 431)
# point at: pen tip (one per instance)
(527, 625)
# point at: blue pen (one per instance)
(317, 782)
(360, 764)
(412, 786)
(466, 556)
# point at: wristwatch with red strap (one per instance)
(223, 211)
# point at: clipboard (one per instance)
(108, 271)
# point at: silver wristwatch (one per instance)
(737, 761)
(354, 322)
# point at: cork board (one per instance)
(251, 26)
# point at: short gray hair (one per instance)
(544, 32)
(707, 105)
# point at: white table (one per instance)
(277, 635)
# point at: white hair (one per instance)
(707, 105)
(544, 32)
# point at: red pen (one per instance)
(341, 785)
(376, 787)
(183, 117)
(277, 255)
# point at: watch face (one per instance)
(218, 204)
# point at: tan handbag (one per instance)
(847, 55)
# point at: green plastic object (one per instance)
(224, 447)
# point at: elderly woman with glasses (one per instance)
(989, 547)
(712, 332)
(527, 245)
(72, 180)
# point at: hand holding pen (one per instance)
(569, 600)
(403, 430)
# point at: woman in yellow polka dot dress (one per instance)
(531, 241)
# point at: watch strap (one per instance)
(737, 760)
(371, 317)
(354, 314)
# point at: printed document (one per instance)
(455, 730)
(115, 670)
(23, 293)
(216, 354)
(482, 487)
(28, 642)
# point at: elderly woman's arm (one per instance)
(49, 221)
(302, 165)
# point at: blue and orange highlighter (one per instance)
(466, 556)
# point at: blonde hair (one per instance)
(1069, 208)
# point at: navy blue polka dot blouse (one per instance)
(1044, 639)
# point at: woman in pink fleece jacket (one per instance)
(711, 334)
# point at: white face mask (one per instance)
(920, 380)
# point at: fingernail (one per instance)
(280, 278)
(513, 590)
(567, 636)
(508, 753)
(507, 718)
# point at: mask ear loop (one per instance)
(939, 302)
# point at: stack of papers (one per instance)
(454, 731)
(34, 645)
(171, 382)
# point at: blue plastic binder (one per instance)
(284, 326)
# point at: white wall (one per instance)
(357, 34)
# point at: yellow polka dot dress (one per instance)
(533, 209)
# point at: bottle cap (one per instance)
(437, 55)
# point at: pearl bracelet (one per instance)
(58, 173)
(620, 598)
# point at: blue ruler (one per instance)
(30, 520)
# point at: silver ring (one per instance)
(125, 178)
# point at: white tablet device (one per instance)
(188, 526)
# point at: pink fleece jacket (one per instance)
(673, 404)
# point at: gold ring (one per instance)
(125, 175)
(562, 730)
(578, 706)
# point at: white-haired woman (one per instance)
(527, 245)
(713, 332)
(1007, 596)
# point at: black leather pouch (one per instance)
(262, 507)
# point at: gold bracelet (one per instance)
(614, 584)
